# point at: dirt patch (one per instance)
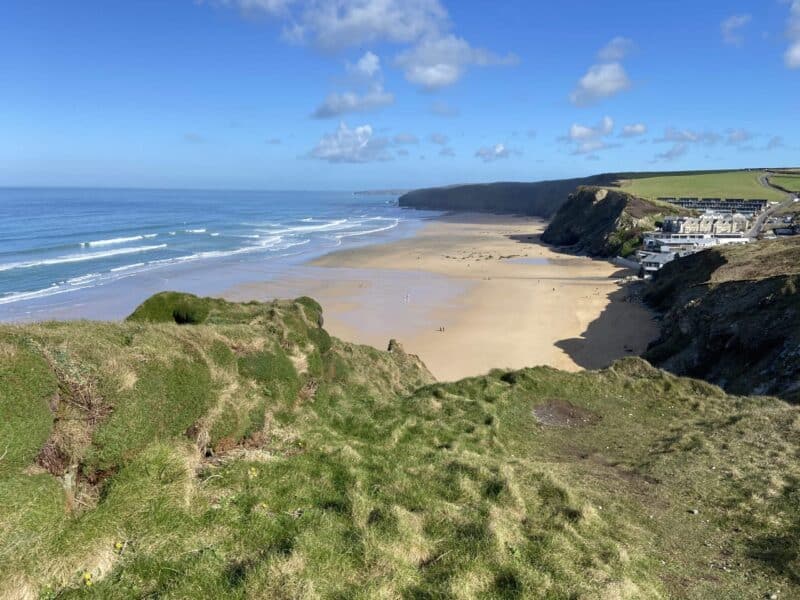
(560, 413)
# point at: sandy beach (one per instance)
(469, 293)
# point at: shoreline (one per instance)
(471, 292)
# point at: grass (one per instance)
(789, 182)
(349, 473)
(730, 184)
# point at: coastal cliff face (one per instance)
(538, 199)
(731, 316)
(603, 222)
(206, 449)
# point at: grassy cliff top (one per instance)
(209, 449)
(721, 184)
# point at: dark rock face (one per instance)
(601, 222)
(538, 199)
(741, 335)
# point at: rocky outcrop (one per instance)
(603, 222)
(731, 316)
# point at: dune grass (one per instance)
(726, 184)
(252, 456)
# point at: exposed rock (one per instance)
(603, 222)
(732, 317)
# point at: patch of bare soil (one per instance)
(560, 413)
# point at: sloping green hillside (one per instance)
(246, 454)
(716, 184)
(604, 222)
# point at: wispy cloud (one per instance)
(439, 139)
(492, 153)
(367, 73)
(735, 137)
(731, 29)
(337, 104)
(675, 152)
(616, 49)
(634, 130)
(447, 152)
(775, 143)
(688, 136)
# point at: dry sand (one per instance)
(502, 298)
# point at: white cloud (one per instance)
(347, 145)
(336, 24)
(447, 151)
(439, 139)
(792, 56)
(634, 130)
(588, 140)
(368, 66)
(436, 59)
(731, 29)
(441, 61)
(337, 104)
(491, 154)
(601, 81)
(579, 132)
(616, 50)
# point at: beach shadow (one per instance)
(622, 329)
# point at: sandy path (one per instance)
(503, 299)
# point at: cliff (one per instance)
(604, 222)
(732, 317)
(204, 449)
(540, 199)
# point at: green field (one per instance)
(790, 182)
(212, 450)
(727, 184)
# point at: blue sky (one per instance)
(352, 94)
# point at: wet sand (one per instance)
(469, 293)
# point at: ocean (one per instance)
(97, 253)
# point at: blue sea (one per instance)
(61, 250)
